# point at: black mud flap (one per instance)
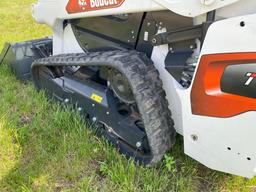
(20, 56)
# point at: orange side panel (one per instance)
(207, 99)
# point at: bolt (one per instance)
(154, 40)
(93, 105)
(107, 113)
(242, 23)
(79, 109)
(94, 119)
(138, 144)
(194, 137)
(66, 100)
(132, 32)
(149, 24)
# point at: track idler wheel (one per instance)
(121, 87)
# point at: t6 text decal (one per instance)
(251, 77)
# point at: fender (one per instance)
(193, 8)
(71, 9)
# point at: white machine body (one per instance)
(221, 143)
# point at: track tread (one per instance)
(147, 89)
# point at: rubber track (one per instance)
(146, 86)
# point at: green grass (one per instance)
(45, 147)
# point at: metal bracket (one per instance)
(177, 36)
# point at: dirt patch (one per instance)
(205, 182)
(24, 119)
(63, 185)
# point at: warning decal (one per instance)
(96, 98)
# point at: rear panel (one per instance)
(109, 32)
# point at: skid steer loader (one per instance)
(146, 70)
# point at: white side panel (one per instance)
(70, 44)
(216, 135)
(243, 7)
(58, 38)
(228, 36)
(239, 8)
(193, 8)
(169, 84)
(64, 41)
(50, 11)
